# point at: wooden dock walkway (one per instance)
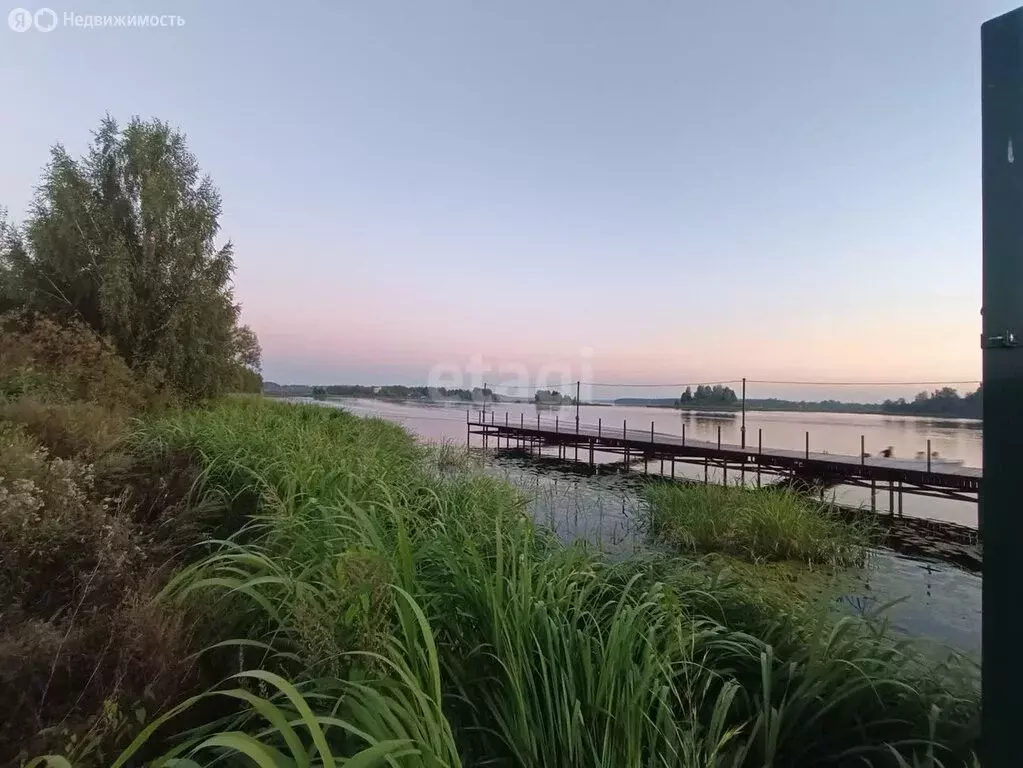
(813, 468)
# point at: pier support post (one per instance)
(706, 471)
(577, 421)
(891, 498)
(873, 495)
(625, 437)
(743, 428)
(646, 454)
(760, 451)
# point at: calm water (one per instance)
(937, 602)
(831, 432)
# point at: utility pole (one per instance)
(577, 407)
(742, 430)
(1001, 525)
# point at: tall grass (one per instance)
(759, 525)
(374, 610)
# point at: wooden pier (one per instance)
(817, 469)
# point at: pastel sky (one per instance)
(692, 191)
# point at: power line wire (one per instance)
(864, 383)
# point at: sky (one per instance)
(522, 191)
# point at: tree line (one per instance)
(123, 241)
(941, 402)
(552, 397)
(385, 392)
(707, 395)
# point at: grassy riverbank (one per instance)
(427, 617)
(362, 601)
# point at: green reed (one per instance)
(373, 610)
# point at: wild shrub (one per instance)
(50, 362)
(81, 636)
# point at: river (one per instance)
(935, 602)
(832, 432)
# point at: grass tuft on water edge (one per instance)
(754, 524)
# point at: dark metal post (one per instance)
(646, 454)
(600, 426)
(1001, 528)
(683, 434)
(928, 455)
(625, 436)
(577, 420)
(742, 430)
(577, 407)
(863, 451)
(719, 437)
(760, 450)
(808, 444)
(467, 428)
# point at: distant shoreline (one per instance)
(710, 410)
(854, 409)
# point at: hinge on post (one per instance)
(1006, 341)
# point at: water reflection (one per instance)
(921, 599)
